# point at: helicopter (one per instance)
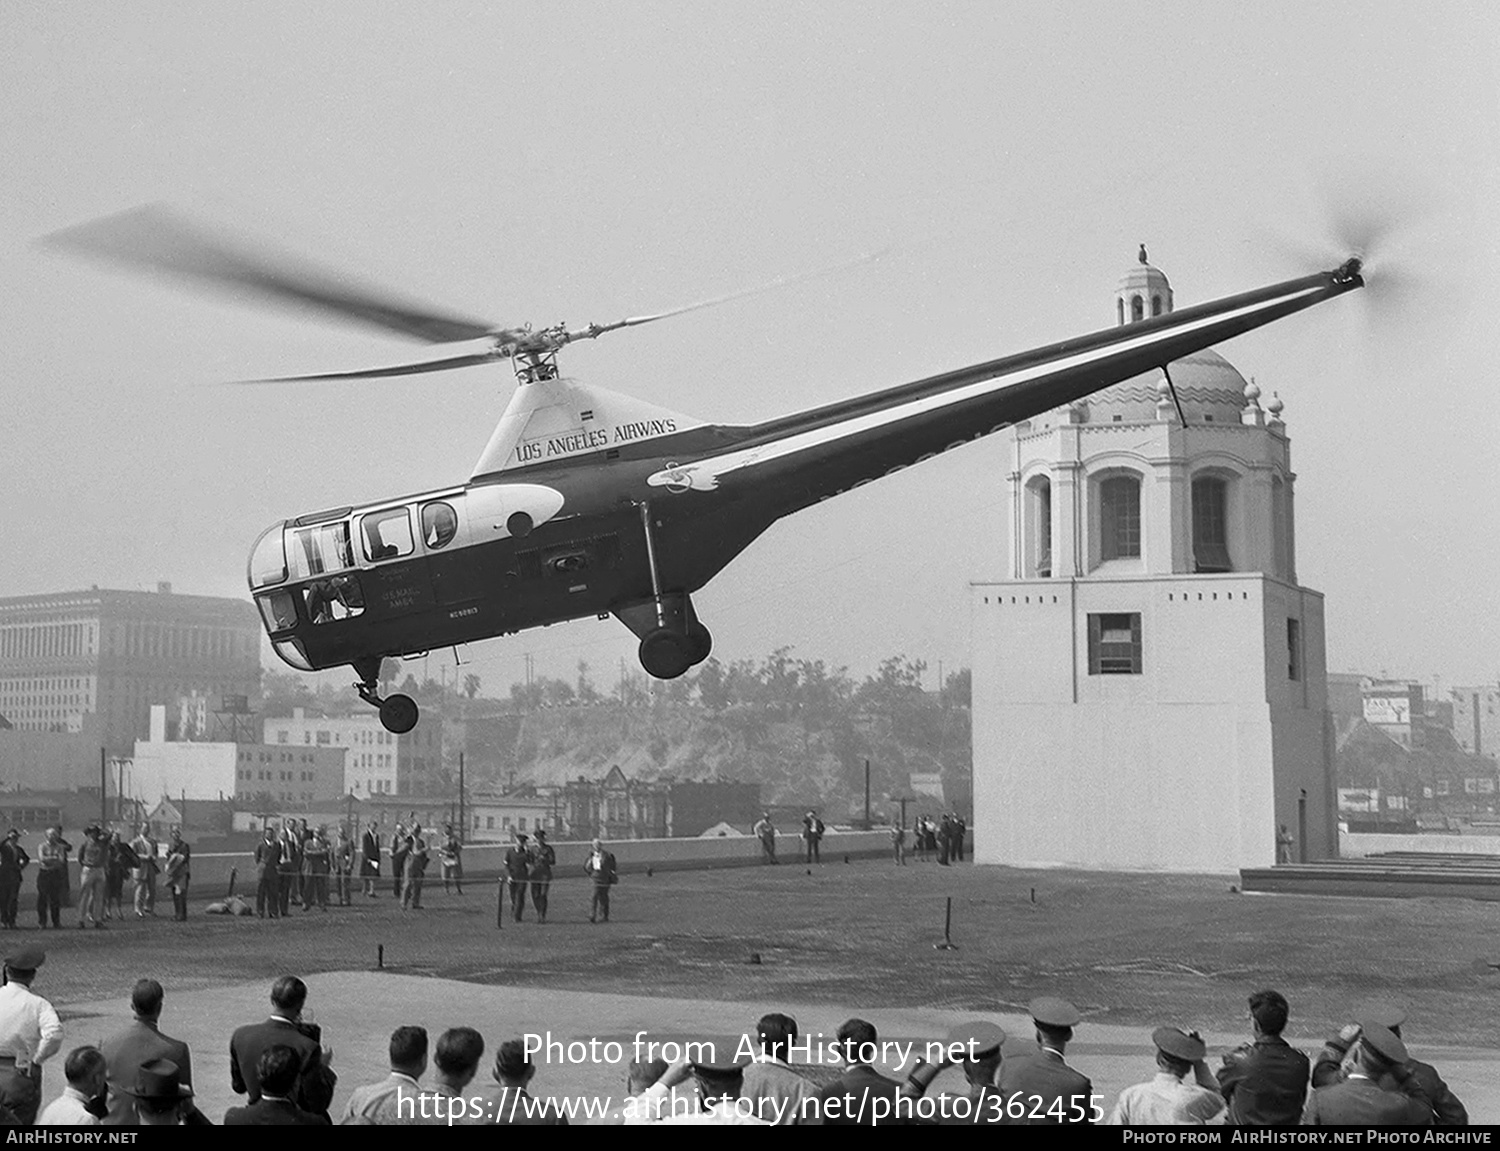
(587, 502)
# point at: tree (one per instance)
(471, 685)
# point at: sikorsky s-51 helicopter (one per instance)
(588, 502)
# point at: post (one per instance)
(1302, 827)
(500, 901)
(903, 811)
(462, 822)
(103, 788)
(867, 795)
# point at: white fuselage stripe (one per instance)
(817, 437)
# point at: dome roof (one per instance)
(1207, 384)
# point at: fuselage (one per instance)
(560, 530)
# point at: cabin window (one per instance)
(320, 548)
(268, 560)
(333, 599)
(279, 610)
(387, 534)
(439, 525)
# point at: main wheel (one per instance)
(665, 653)
(399, 713)
(702, 642)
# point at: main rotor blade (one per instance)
(785, 281)
(464, 361)
(158, 239)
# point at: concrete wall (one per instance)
(1357, 845)
(482, 862)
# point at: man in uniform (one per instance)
(1169, 1099)
(51, 877)
(517, 871)
(13, 861)
(1327, 1068)
(975, 1046)
(1361, 1100)
(1265, 1082)
(1039, 1086)
(600, 867)
(30, 1034)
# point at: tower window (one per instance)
(1041, 540)
(1137, 308)
(1115, 643)
(1294, 649)
(1120, 518)
(1120, 311)
(1156, 305)
(1211, 525)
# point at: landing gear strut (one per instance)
(398, 713)
(672, 639)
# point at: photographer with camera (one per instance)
(288, 1027)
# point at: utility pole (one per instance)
(103, 787)
(462, 824)
(867, 795)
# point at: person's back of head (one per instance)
(278, 1069)
(643, 1073)
(288, 994)
(512, 1067)
(146, 998)
(777, 1033)
(717, 1083)
(857, 1041)
(84, 1069)
(1269, 1010)
(1057, 1038)
(457, 1056)
(409, 1051)
(1173, 1065)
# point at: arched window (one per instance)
(1039, 538)
(1120, 518)
(1156, 305)
(1137, 308)
(1211, 524)
(1120, 311)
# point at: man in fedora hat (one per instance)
(160, 1094)
(30, 1034)
(1170, 1099)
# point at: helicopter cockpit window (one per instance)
(439, 525)
(278, 610)
(336, 598)
(387, 534)
(268, 560)
(320, 548)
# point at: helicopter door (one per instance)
(450, 564)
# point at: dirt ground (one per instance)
(1128, 949)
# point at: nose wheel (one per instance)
(398, 713)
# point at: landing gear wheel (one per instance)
(665, 653)
(399, 713)
(701, 640)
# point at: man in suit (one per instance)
(1265, 1082)
(277, 1071)
(268, 880)
(1039, 1086)
(13, 861)
(313, 1086)
(600, 866)
(288, 868)
(851, 1099)
(139, 1043)
(369, 858)
(539, 863)
(1327, 1068)
(1361, 1100)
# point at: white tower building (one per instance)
(1149, 681)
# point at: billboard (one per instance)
(1388, 709)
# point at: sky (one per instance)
(585, 162)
